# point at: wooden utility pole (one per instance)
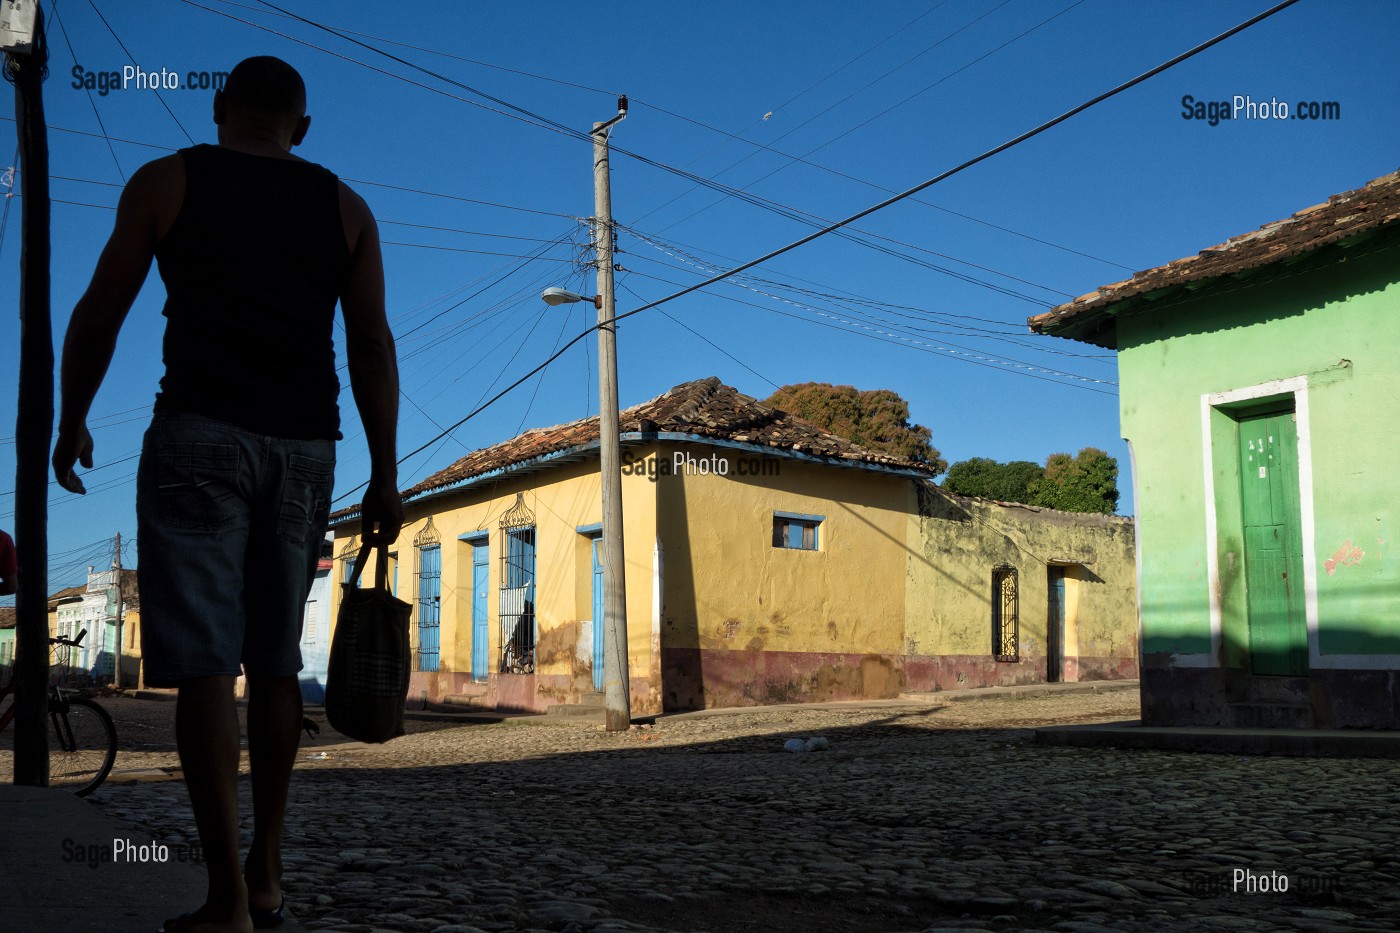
(617, 688)
(117, 580)
(34, 424)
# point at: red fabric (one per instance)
(9, 563)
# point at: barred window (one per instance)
(1006, 622)
(428, 552)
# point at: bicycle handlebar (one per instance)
(75, 642)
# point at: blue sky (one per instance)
(880, 96)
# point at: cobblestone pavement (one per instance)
(914, 818)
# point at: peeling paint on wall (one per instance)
(1346, 554)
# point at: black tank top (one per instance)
(253, 267)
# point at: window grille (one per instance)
(518, 590)
(427, 549)
(1006, 622)
(347, 557)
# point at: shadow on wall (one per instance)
(1276, 294)
(697, 675)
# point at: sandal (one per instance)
(264, 919)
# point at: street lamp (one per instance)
(562, 296)
(617, 691)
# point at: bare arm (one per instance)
(97, 319)
(374, 369)
(9, 566)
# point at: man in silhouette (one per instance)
(255, 247)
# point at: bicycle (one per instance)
(83, 740)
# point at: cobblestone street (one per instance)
(916, 817)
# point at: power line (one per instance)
(1017, 38)
(1029, 134)
(900, 311)
(419, 48)
(479, 252)
(832, 107)
(132, 58)
(352, 181)
(804, 92)
(679, 323)
(963, 166)
(455, 197)
(528, 116)
(870, 184)
(498, 236)
(562, 128)
(520, 114)
(789, 212)
(91, 103)
(958, 351)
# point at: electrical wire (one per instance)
(132, 58)
(91, 103)
(622, 284)
(892, 335)
(338, 31)
(514, 111)
(963, 166)
(747, 282)
(517, 112)
(419, 48)
(352, 181)
(828, 109)
(901, 103)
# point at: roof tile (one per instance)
(705, 407)
(1374, 205)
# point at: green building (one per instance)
(1260, 398)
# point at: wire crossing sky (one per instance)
(755, 128)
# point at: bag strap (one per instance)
(381, 565)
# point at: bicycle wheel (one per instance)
(82, 746)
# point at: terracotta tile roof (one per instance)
(1343, 215)
(67, 593)
(705, 407)
(7, 616)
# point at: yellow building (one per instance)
(766, 561)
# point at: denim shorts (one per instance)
(229, 529)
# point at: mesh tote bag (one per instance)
(367, 677)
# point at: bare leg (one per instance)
(274, 732)
(206, 734)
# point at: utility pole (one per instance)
(26, 61)
(117, 580)
(617, 689)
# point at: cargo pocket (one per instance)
(197, 485)
(306, 497)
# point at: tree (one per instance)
(989, 479)
(877, 419)
(1087, 482)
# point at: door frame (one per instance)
(596, 595)
(481, 610)
(1054, 624)
(1259, 632)
(1218, 420)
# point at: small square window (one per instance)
(796, 532)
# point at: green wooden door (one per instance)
(1273, 551)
